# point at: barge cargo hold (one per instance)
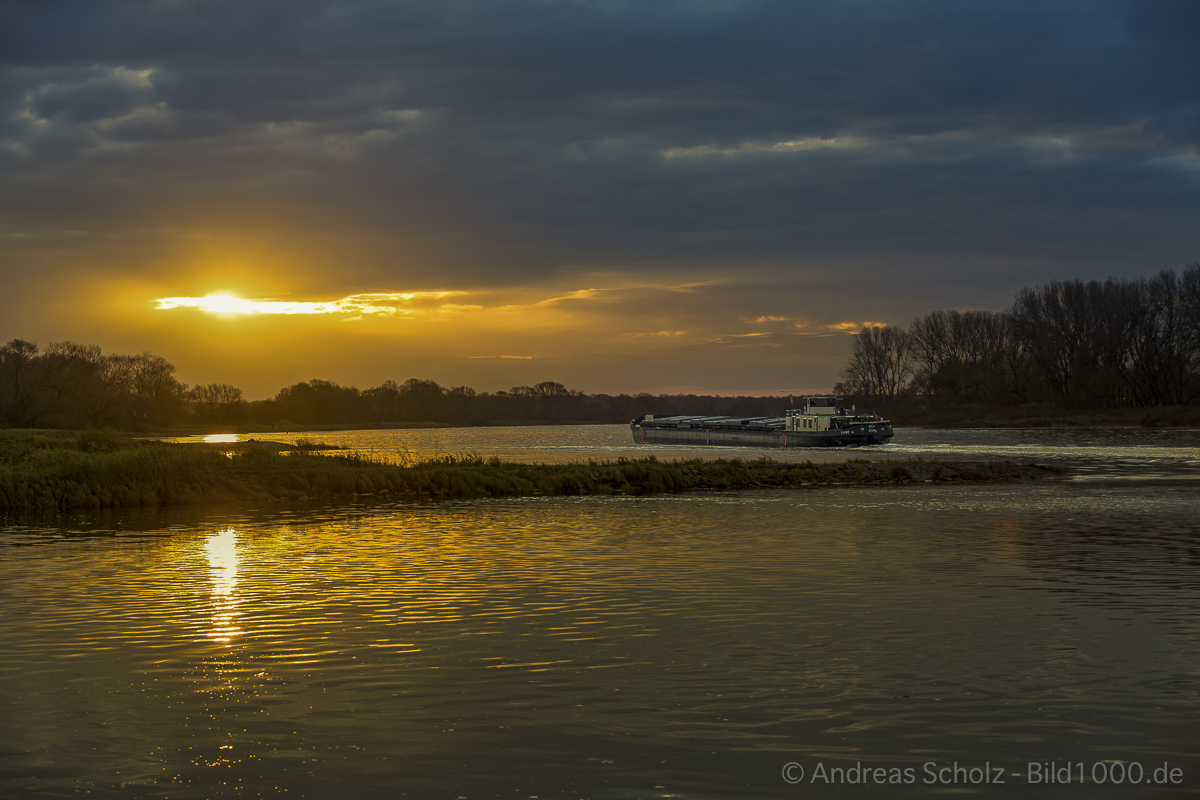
(818, 422)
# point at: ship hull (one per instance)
(878, 433)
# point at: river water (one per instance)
(865, 641)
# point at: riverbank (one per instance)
(93, 470)
(901, 416)
(1042, 416)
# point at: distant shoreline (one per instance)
(1044, 416)
(104, 470)
(954, 417)
(902, 414)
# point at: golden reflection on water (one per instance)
(221, 438)
(222, 551)
(1010, 528)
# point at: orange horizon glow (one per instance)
(585, 332)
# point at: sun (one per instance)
(213, 303)
(227, 304)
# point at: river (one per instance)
(890, 641)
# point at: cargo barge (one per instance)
(819, 422)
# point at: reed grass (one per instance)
(103, 469)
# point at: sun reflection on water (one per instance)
(221, 548)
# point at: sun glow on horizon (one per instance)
(386, 303)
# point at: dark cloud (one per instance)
(87, 98)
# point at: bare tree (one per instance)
(960, 356)
(158, 397)
(17, 360)
(422, 399)
(881, 363)
(217, 402)
(1073, 333)
(1189, 328)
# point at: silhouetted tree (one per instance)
(383, 402)
(317, 402)
(880, 365)
(421, 400)
(17, 381)
(218, 402)
(961, 356)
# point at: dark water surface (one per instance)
(687, 646)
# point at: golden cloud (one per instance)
(384, 303)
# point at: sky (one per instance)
(701, 196)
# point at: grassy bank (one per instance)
(89, 470)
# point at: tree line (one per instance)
(1087, 344)
(67, 385)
